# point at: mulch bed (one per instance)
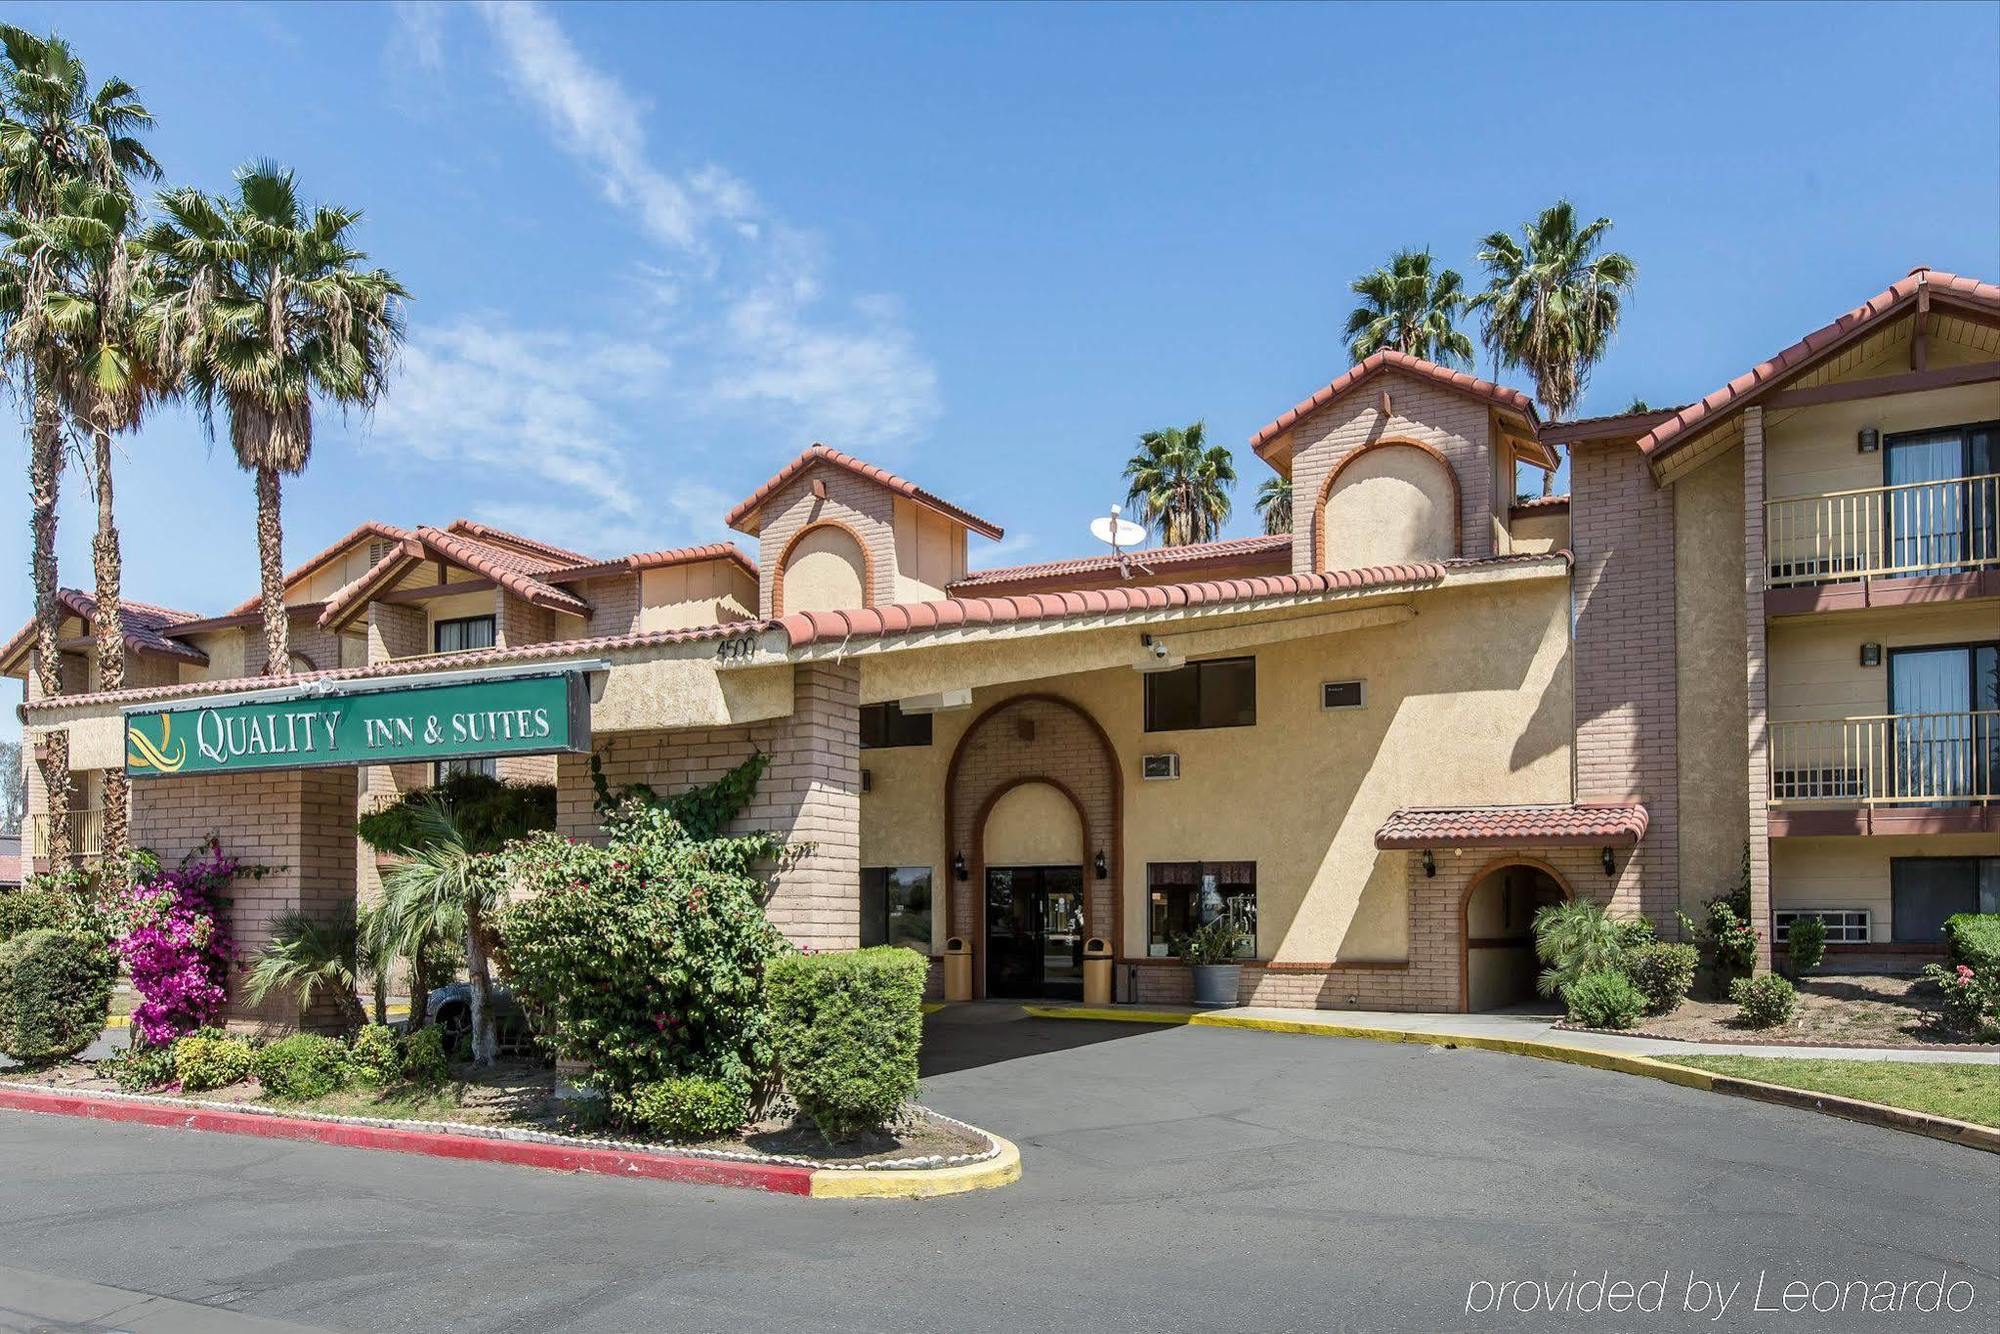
(1835, 1010)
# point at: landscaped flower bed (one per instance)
(1834, 1010)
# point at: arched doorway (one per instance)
(1496, 926)
(1031, 847)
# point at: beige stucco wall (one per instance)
(1811, 451)
(1468, 702)
(1816, 669)
(1853, 872)
(703, 593)
(1388, 505)
(1033, 825)
(824, 571)
(1711, 674)
(930, 552)
(1536, 533)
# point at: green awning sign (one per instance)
(298, 729)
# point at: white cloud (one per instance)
(420, 33)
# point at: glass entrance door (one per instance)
(1034, 932)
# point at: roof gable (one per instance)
(745, 517)
(1388, 359)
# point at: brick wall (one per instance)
(1754, 574)
(811, 792)
(614, 604)
(396, 631)
(854, 501)
(1453, 424)
(1622, 532)
(298, 822)
(1034, 737)
(517, 622)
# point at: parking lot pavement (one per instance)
(1176, 1178)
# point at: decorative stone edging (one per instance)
(1941, 1048)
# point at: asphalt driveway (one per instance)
(1180, 1178)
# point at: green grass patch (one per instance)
(1966, 1092)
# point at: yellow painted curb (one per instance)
(1947, 1128)
(1119, 1015)
(922, 1183)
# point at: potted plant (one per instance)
(1211, 952)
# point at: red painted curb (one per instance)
(775, 1177)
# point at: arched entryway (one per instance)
(1032, 815)
(1496, 930)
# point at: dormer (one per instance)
(1401, 460)
(834, 532)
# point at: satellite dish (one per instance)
(1115, 532)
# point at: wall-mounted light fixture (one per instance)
(1430, 865)
(1868, 440)
(1101, 866)
(1610, 863)
(1871, 655)
(958, 871)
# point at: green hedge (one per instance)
(1766, 1000)
(209, 1059)
(55, 994)
(1604, 998)
(687, 1108)
(424, 1059)
(847, 1028)
(376, 1056)
(1974, 940)
(302, 1066)
(1663, 972)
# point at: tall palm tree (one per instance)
(1552, 303)
(1181, 484)
(1274, 502)
(264, 306)
(53, 130)
(1408, 307)
(441, 890)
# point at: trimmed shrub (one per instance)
(1971, 998)
(376, 1058)
(302, 1066)
(1974, 940)
(847, 1028)
(210, 1060)
(1765, 1001)
(687, 1108)
(140, 1067)
(424, 1060)
(55, 994)
(1664, 973)
(32, 909)
(1805, 945)
(1604, 998)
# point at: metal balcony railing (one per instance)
(1930, 759)
(86, 836)
(1915, 528)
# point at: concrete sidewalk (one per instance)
(1510, 1026)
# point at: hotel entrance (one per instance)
(1034, 932)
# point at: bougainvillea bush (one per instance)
(170, 934)
(644, 959)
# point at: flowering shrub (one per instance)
(168, 930)
(1764, 1001)
(1971, 998)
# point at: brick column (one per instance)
(813, 791)
(1755, 572)
(297, 822)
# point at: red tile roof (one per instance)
(501, 537)
(1389, 359)
(513, 571)
(1591, 826)
(743, 517)
(1541, 503)
(656, 560)
(386, 531)
(348, 600)
(1765, 376)
(1229, 549)
(143, 624)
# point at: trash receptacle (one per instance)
(957, 970)
(1096, 972)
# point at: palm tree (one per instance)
(53, 130)
(443, 889)
(1552, 303)
(1181, 484)
(264, 306)
(309, 955)
(1274, 502)
(1407, 307)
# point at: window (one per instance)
(1183, 895)
(467, 632)
(1844, 926)
(1923, 891)
(1945, 742)
(896, 906)
(886, 725)
(1342, 694)
(1221, 692)
(444, 769)
(1938, 521)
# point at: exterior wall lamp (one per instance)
(1430, 865)
(1610, 863)
(1871, 655)
(1101, 866)
(958, 871)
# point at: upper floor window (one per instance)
(886, 725)
(1942, 498)
(1220, 692)
(465, 632)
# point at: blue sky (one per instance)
(658, 250)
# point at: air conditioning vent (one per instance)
(1160, 766)
(1343, 694)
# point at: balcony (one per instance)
(1913, 531)
(1907, 772)
(86, 826)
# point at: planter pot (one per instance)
(1215, 983)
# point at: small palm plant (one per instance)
(1573, 938)
(309, 956)
(442, 889)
